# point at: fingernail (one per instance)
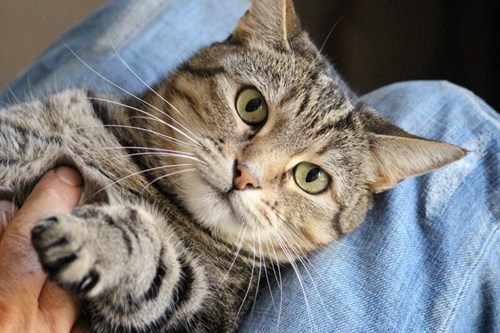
(69, 175)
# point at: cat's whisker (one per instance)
(241, 236)
(266, 273)
(279, 281)
(158, 154)
(287, 224)
(166, 137)
(143, 82)
(300, 257)
(167, 175)
(285, 249)
(144, 148)
(259, 275)
(299, 254)
(249, 282)
(151, 117)
(119, 87)
(129, 176)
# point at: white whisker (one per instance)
(166, 137)
(143, 148)
(147, 85)
(299, 279)
(150, 116)
(249, 283)
(167, 175)
(243, 229)
(117, 86)
(131, 175)
(159, 154)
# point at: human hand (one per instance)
(28, 301)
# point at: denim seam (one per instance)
(447, 323)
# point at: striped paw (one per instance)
(67, 254)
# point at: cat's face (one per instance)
(284, 157)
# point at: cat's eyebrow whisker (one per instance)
(167, 175)
(328, 36)
(117, 86)
(131, 175)
(166, 137)
(151, 117)
(318, 55)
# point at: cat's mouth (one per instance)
(239, 203)
(222, 194)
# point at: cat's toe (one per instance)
(64, 253)
(39, 229)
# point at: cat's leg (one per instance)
(124, 260)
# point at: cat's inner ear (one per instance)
(398, 158)
(270, 21)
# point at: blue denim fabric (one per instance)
(427, 259)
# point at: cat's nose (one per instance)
(244, 179)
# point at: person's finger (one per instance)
(57, 191)
(57, 308)
(6, 213)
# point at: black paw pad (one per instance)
(88, 282)
(54, 268)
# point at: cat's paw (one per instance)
(67, 253)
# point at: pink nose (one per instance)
(244, 178)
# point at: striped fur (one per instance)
(162, 240)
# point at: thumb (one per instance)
(57, 191)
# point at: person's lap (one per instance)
(426, 259)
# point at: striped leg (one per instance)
(123, 260)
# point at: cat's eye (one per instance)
(251, 107)
(311, 178)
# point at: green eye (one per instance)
(311, 178)
(251, 107)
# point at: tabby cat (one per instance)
(253, 152)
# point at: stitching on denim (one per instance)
(447, 323)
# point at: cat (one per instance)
(253, 152)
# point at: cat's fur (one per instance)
(184, 252)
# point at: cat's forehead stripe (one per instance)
(203, 73)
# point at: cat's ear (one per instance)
(270, 21)
(400, 157)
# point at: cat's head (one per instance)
(285, 157)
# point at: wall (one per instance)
(375, 42)
(27, 27)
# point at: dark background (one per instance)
(375, 43)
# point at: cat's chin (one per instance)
(210, 206)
